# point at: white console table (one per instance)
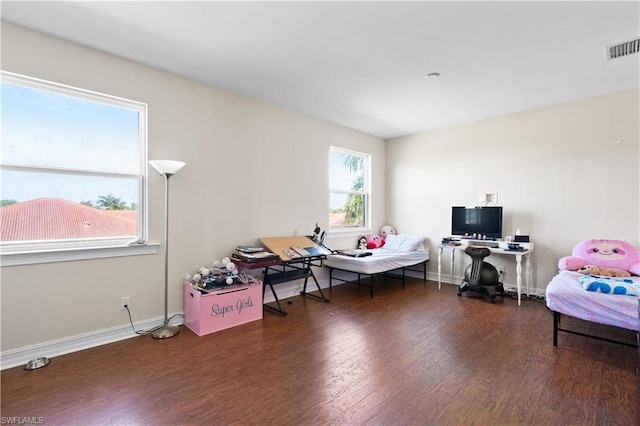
(500, 250)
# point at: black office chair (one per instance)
(480, 276)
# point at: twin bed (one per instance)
(400, 253)
(566, 295)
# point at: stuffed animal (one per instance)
(374, 241)
(605, 272)
(603, 253)
(387, 230)
(362, 243)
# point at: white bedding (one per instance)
(566, 295)
(381, 260)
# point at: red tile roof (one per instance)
(57, 218)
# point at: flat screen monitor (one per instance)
(477, 220)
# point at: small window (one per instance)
(348, 189)
(72, 167)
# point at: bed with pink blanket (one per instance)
(602, 300)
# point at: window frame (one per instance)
(366, 191)
(33, 252)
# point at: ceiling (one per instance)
(362, 65)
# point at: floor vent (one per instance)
(623, 49)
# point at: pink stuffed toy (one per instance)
(603, 253)
(374, 241)
(387, 230)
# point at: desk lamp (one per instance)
(166, 168)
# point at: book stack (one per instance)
(292, 253)
(254, 257)
(249, 249)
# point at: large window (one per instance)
(348, 189)
(72, 167)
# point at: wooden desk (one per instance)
(518, 255)
(299, 267)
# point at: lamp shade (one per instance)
(167, 167)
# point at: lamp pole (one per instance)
(167, 169)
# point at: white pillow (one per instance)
(392, 242)
(402, 242)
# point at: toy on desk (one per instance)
(318, 235)
(474, 236)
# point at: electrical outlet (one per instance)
(485, 198)
(502, 271)
(124, 302)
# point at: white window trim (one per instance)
(28, 253)
(366, 192)
(31, 257)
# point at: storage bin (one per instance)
(221, 309)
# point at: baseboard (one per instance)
(16, 357)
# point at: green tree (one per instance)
(7, 202)
(87, 203)
(354, 206)
(109, 202)
(353, 163)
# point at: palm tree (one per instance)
(109, 202)
(354, 206)
(353, 163)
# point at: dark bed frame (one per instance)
(422, 267)
(557, 328)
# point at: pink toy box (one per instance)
(221, 309)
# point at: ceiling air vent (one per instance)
(623, 49)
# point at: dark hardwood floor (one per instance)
(405, 357)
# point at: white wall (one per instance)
(558, 174)
(253, 170)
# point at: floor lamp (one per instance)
(166, 168)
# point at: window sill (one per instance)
(16, 258)
(347, 232)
